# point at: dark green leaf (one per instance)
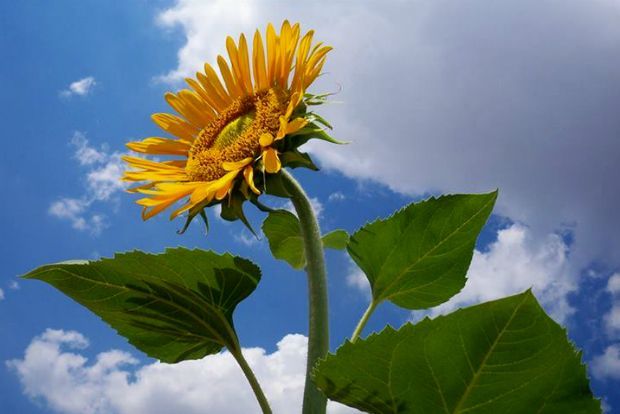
(505, 356)
(336, 239)
(173, 306)
(284, 234)
(418, 258)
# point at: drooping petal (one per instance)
(248, 175)
(271, 161)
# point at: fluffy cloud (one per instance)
(607, 365)
(54, 371)
(104, 171)
(462, 96)
(612, 318)
(512, 264)
(80, 87)
(1, 294)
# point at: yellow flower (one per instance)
(231, 125)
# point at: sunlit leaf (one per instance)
(505, 356)
(336, 239)
(418, 257)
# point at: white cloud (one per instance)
(475, 103)
(1, 294)
(357, 279)
(103, 181)
(246, 238)
(337, 196)
(514, 263)
(613, 284)
(607, 365)
(612, 318)
(80, 87)
(315, 203)
(52, 371)
(13, 285)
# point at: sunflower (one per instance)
(233, 129)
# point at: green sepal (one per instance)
(232, 210)
(312, 131)
(296, 159)
(273, 185)
(197, 210)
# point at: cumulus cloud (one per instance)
(607, 365)
(104, 170)
(514, 263)
(464, 97)
(612, 318)
(55, 372)
(80, 87)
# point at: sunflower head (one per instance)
(233, 132)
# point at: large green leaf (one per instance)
(505, 356)
(173, 306)
(283, 231)
(284, 234)
(418, 258)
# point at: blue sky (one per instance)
(435, 97)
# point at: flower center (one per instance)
(234, 134)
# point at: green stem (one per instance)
(315, 401)
(362, 323)
(249, 374)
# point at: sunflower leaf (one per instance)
(174, 306)
(498, 357)
(418, 258)
(284, 235)
(336, 239)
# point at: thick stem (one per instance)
(249, 374)
(315, 401)
(362, 323)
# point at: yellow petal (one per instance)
(258, 61)
(233, 89)
(295, 125)
(244, 65)
(236, 165)
(160, 146)
(265, 139)
(175, 126)
(248, 174)
(271, 161)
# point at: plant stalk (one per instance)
(315, 401)
(362, 323)
(249, 374)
